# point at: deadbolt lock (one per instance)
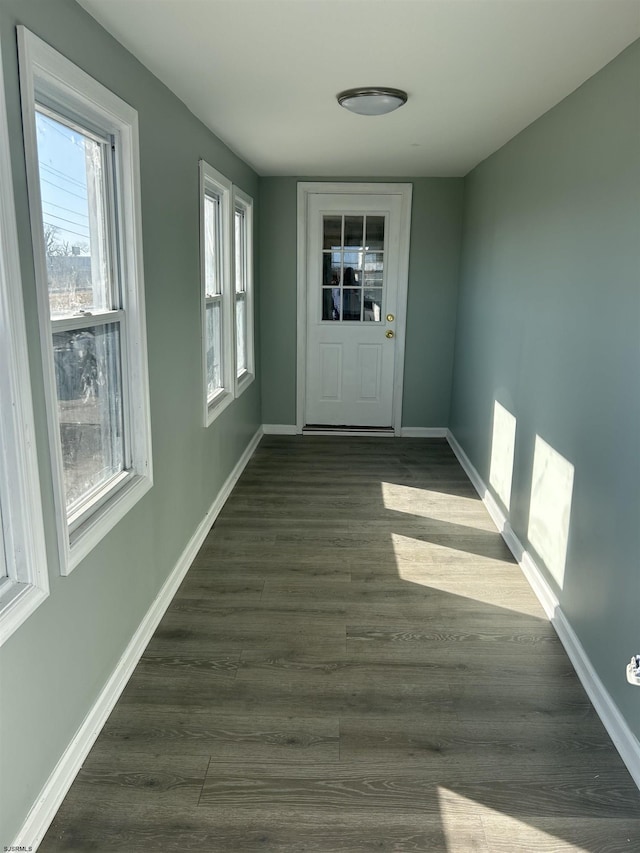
(388, 333)
(390, 318)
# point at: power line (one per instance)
(65, 230)
(62, 189)
(68, 209)
(61, 174)
(70, 221)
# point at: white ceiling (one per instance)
(263, 74)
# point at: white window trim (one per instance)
(46, 73)
(26, 584)
(244, 379)
(215, 182)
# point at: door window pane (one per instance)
(331, 269)
(375, 232)
(372, 306)
(331, 303)
(373, 269)
(89, 389)
(352, 277)
(351, 304)
(353, 232)
(73, 173)
(332, 232)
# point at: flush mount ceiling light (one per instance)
(372, 100)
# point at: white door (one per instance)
(353, 266)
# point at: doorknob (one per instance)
(390, 318)
(388, 333)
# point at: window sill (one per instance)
(217, 405)
(85, 538)
(243, 381)
(17, 603)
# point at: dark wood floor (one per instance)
(353, 663)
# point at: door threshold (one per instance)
(344, 429)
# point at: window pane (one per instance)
(214, 348)
(351, 300)
(353, 226)
(3, 555)
(332, 232)
(373, 305)
(89, 389)
(352, 277)
(331, 267)
(331, 303)
(241, 334)
(212, 245)
(240, 252)
(72, 170)
(375, 232)
(373, 269)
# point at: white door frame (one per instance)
(305, 189)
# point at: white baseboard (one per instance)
(279, 429)
(44, 809)
(617, 727)
(424, 432)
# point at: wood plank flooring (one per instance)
(353, 663)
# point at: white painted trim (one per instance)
(623, 738)
(22, 538)
(279, 429)
(424, 432)
(244, 202)
(301, 302)
(217, 184)
(61, 779)
(305, 189)
(47, 74)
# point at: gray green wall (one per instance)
(431, 308)
(549, 325)
(54, 666)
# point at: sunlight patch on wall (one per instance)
(503, 444)
(550, 507)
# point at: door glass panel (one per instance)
(331, 267)
(375, 232)
(331, 303)
(347, 267)
(353, 232)
(332, 232)
(351, 304)
(373, 269)
(352, 277)
(373, 305)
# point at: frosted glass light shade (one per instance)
(372, 100)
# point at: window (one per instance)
(217, 307)
(243, 274)
(23, 562)
(81, 146)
